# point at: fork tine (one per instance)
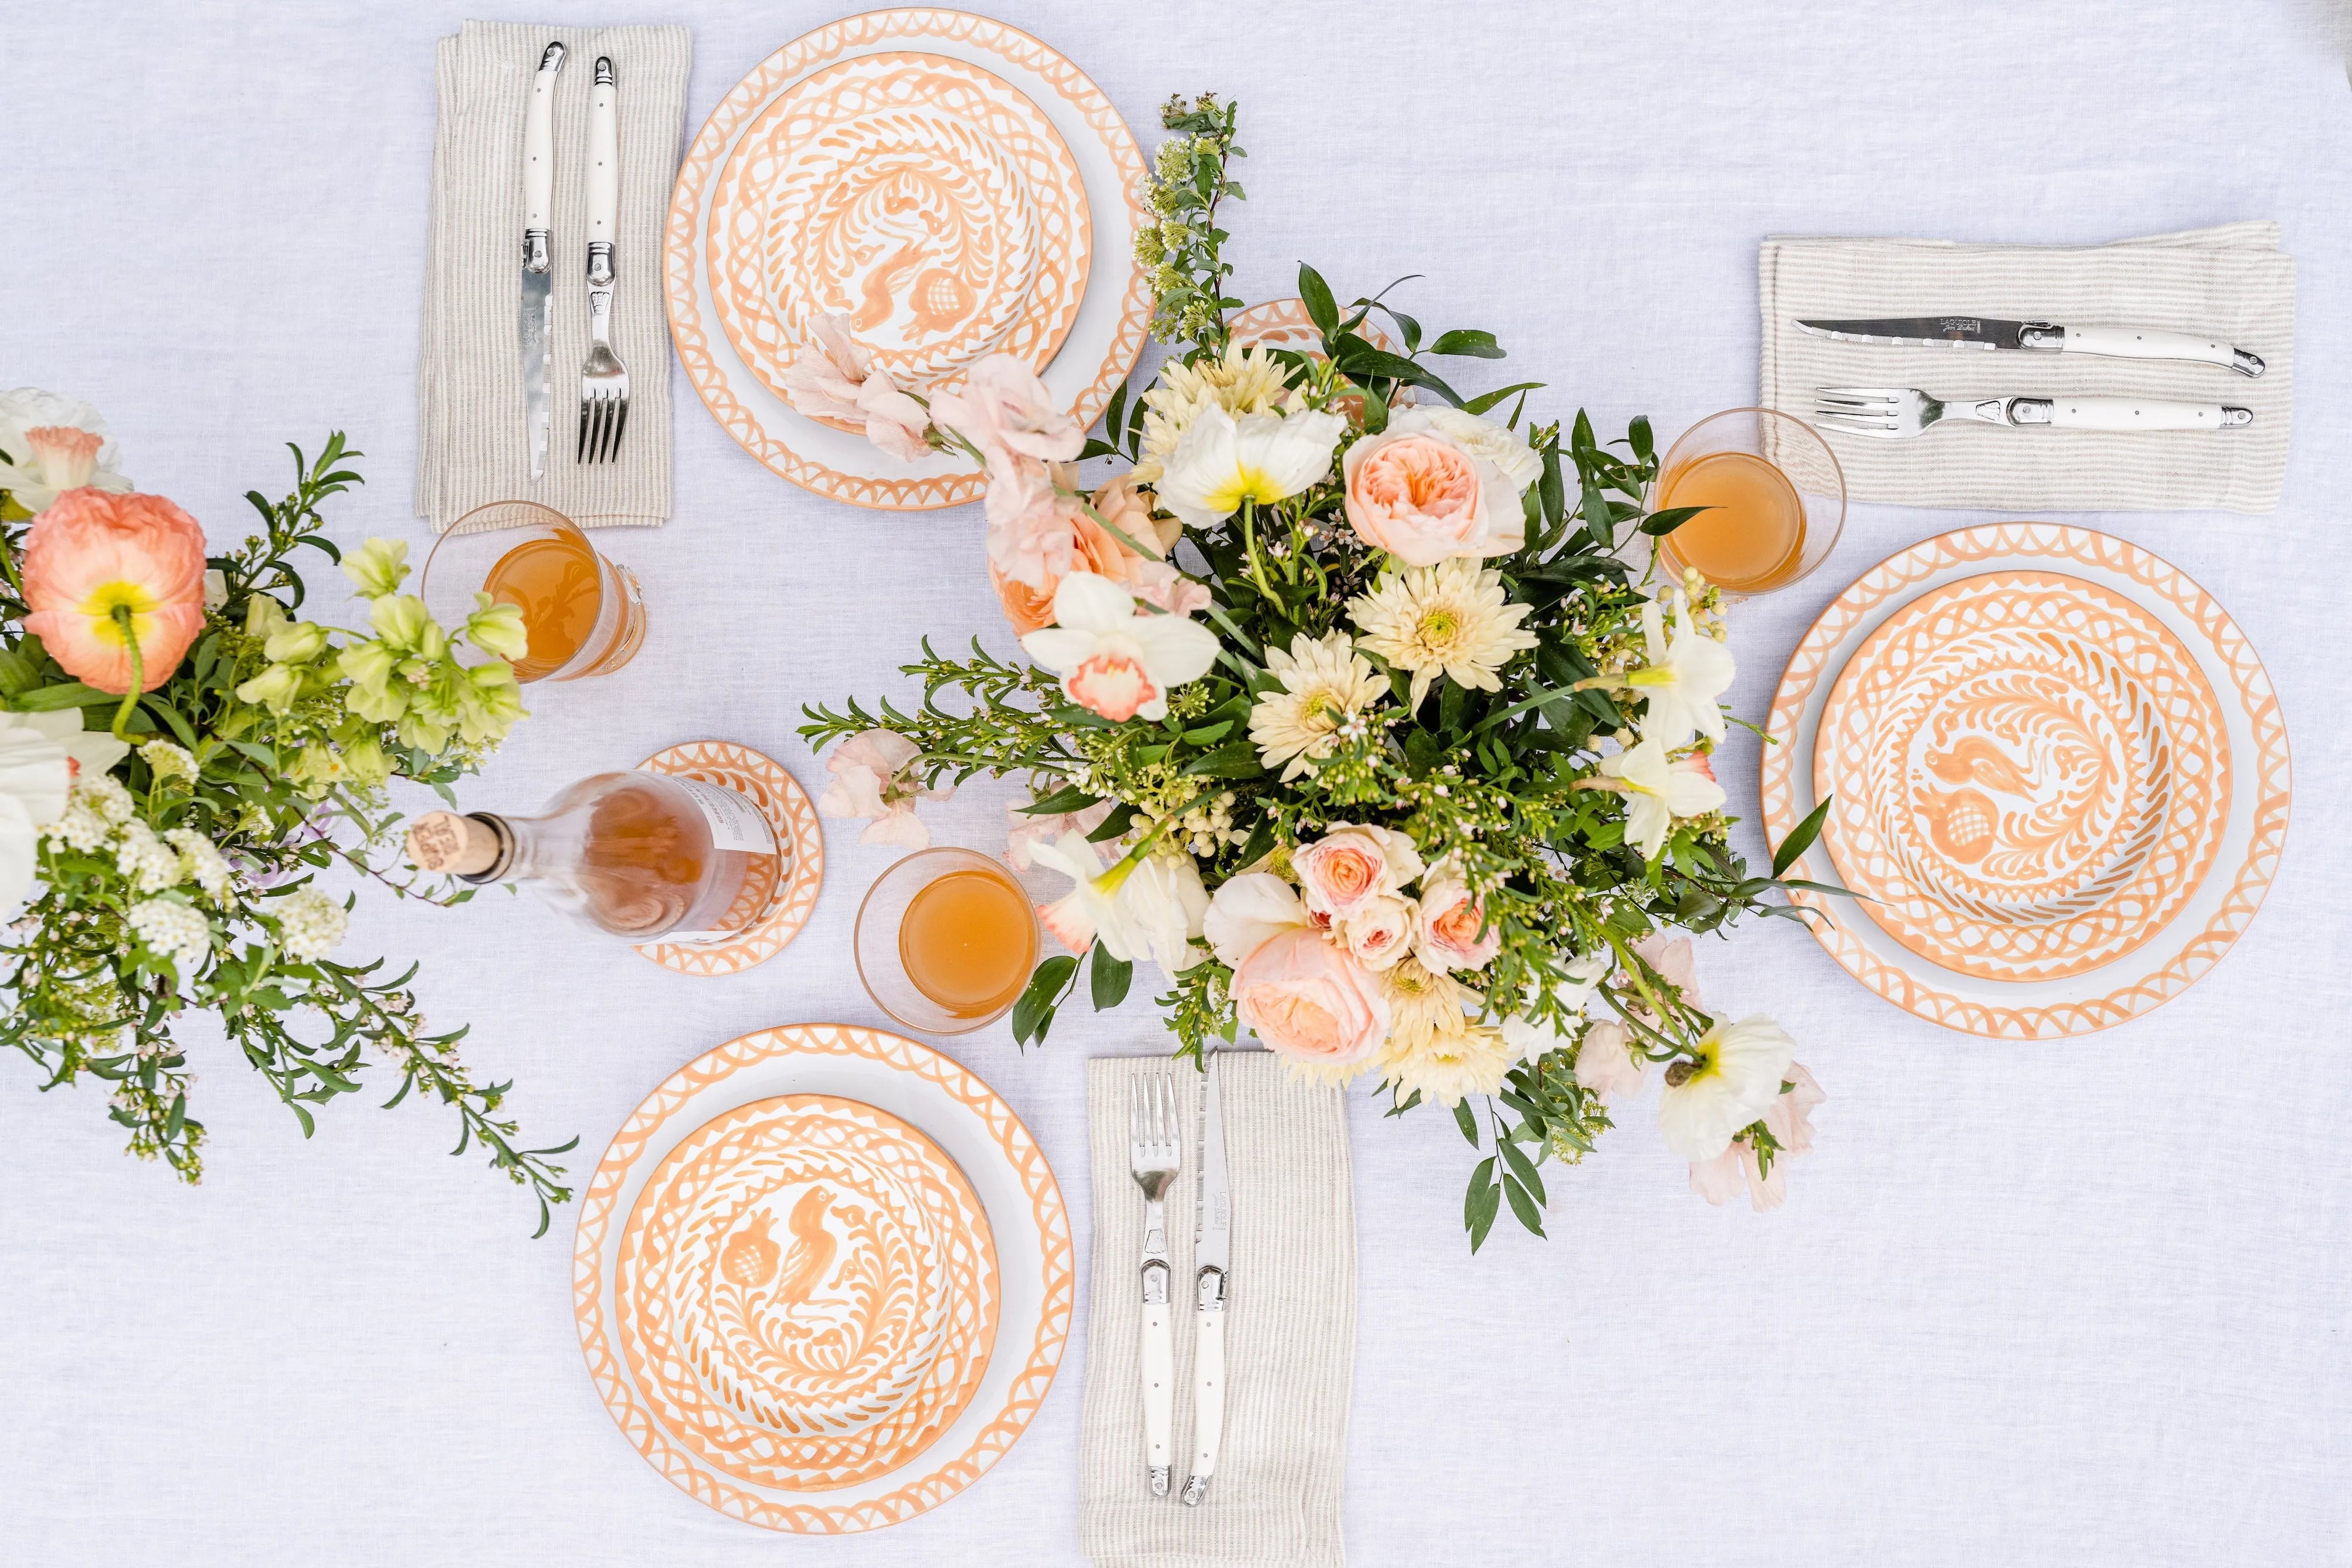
(1875, 393)
(605, 428)
(580, 453)
(1880, 419)
(1847, 426)
(621, 424)
(1135, 1109)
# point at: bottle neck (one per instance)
(512, 857)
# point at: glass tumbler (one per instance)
(946, 940)
(583, 615)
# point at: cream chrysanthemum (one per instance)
(1451, 618)
(1327, 686)
(1243, 382)
(1449, 1067)
(1426, 1008)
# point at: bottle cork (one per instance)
(449, 844)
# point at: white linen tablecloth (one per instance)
(2075, 1303)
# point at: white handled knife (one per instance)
(1212, 1233)
(537, 315)
(2044, 336)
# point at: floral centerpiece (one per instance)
(181, 755)
(1340, 707)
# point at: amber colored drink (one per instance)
(1753, 538)
(554, 581)
(968, 942)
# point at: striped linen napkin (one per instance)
(2232, 282)
(471, 447)
(1290, 1327)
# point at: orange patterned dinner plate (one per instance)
(822, 1278)
(2057, 773)
(954, 186)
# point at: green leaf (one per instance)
(1673, 518)
(1033, 1013)
(1645, 444)
(1320, 309)
(1115, 823)
(1800, 837)
(1110, 979)
(1480, 1203)
(1486, 400)
(177, 1118)
(1376, 411)
(1523, 1205)
(1208, 734)
(1466, 1120)
(1524, 1169)
(1069, 797)
(1114, 416)
(1234, 760)
(1466, 342)
(72, 694)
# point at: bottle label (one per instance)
(735, 822)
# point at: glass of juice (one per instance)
(946, 940)
(1775, 495)
(583, 615)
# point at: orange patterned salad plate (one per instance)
(947, 183)
(822, 1278)
(2057, 773)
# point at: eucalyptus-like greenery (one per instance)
(184, 880)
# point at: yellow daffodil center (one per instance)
(105, 600)
(1245, 483)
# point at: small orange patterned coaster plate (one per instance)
(2058, 772)
(807, 1293)
(823, 1278)
(789, 896)
(950, 184)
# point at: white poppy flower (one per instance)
(1736, 1079)
(1684, 679)
(1658, 791)
(1112, 660)
(1223, 461)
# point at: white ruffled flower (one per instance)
(1327, 686)
(1736, 1079)
(1496, 444)
(1684, 679)
(35, 776)
(310, 924)
(1223, 461)
(1249, 910)
(1112, 660)
(1657, 792)
(173, 931)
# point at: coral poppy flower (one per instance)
(92, 560)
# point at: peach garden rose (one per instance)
(1353, 865)
(105, 573)
(1310, 1002)
(1423, 497)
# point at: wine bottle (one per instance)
(646, 857)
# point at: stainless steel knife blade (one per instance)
(1925, 331)
(1212, 1213)
(535, 315)
(537, 322)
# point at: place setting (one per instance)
(1363, 704)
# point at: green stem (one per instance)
(138, 673)
(1249, 545)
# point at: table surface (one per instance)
(2081, 1302)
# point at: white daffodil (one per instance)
(90, 752)
(1657, 792)
(1223, 461)
(1149, 905)
(1249, 909)
(53, 445)
(1085, 914)
(1112, 660)
(1162, 903)
(1683, 679)
(1736, 1079)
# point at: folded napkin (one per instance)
(2232, 282)
(471, 447)
(1290, 1327)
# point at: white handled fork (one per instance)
(604, 380)
(1153, 1155)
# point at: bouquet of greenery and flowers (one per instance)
(1341, 708)
(181, 754)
